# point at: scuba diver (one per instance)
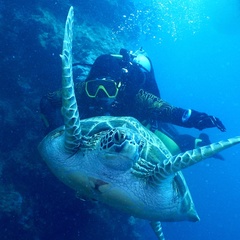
(124, 85)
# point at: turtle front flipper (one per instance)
(69, 104)
(178, 162)
(157, 228)
(143, 169)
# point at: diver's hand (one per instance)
(202, 121)
(206, 121)
(217, 122)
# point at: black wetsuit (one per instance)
(135, 98)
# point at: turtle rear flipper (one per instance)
(157, 228)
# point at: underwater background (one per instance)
(195, 49)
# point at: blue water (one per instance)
(199, 68)
(195, 49)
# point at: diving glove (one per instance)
(192, 118)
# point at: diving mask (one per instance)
(108, 86)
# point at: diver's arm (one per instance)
(50, 107)
(50, 110)
(156, 108)
(200, 120)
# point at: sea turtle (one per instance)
(117, 161)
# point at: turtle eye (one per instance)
(116, 136)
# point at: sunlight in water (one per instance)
(155, 18)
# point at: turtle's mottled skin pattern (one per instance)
(117, 161)
(113, 152)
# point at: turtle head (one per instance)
(120, 148)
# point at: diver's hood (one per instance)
(143, 61)
(106, 66)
